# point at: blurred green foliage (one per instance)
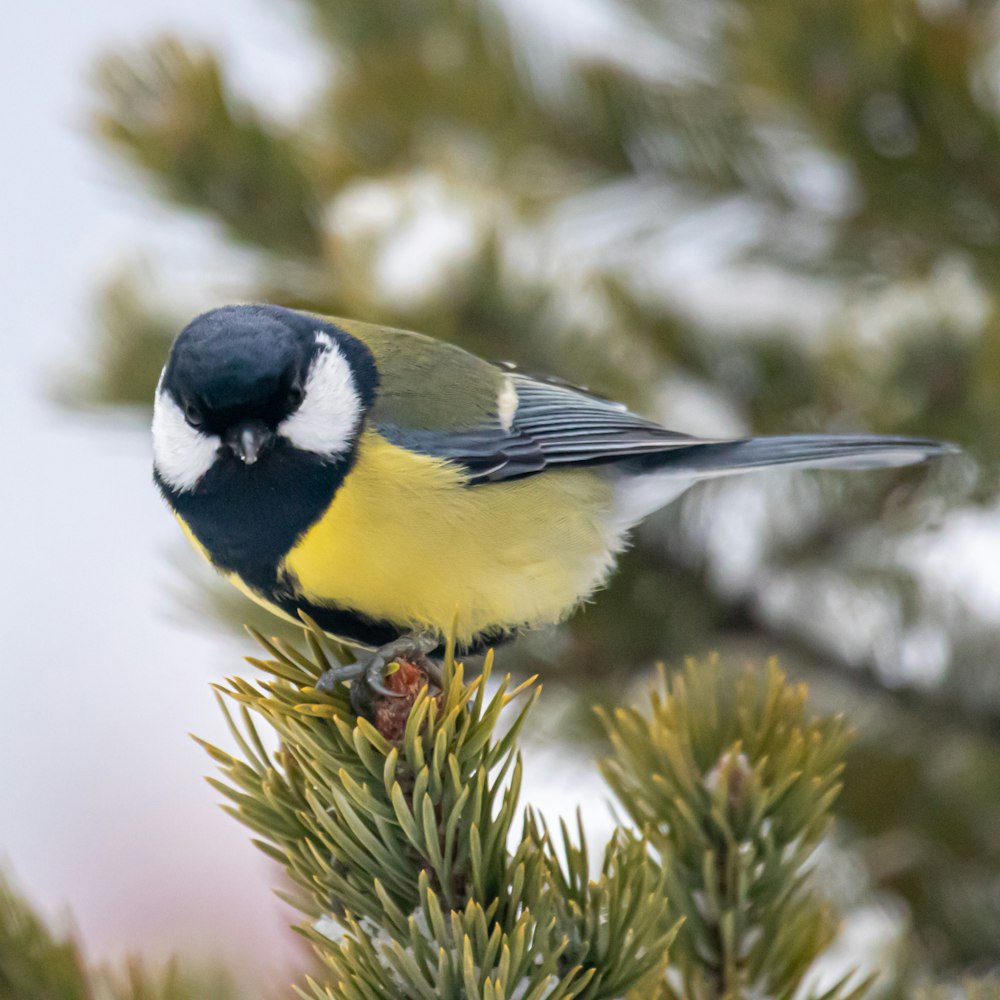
(774, 215)
(37, 964)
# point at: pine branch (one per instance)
(396, 833)
(734, 789)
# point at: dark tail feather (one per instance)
(831, 451)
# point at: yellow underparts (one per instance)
(404, 540)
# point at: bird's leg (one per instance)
(368, 674)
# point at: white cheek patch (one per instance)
(327, 419)
(181, 454)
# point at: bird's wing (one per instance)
(537, 424)
(498, 423)
(495, 421)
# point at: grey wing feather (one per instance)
(556, 424)
(553, 424)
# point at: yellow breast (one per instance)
(406, 541)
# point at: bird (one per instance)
(400, 491)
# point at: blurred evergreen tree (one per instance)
(772, 215)
(38, 964)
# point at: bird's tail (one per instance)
(667, 474)
(811, 451)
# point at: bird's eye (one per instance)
(295, 397)
(193, 415)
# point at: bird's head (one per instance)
(246, 384)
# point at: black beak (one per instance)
(248, 439)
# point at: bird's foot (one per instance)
(371, 679)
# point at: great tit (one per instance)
(395, 488)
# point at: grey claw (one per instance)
(375, 678)
(329, 680)
(368, 675)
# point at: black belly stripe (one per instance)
(340, 622)
(344, 623)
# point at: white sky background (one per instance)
(102, 808)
